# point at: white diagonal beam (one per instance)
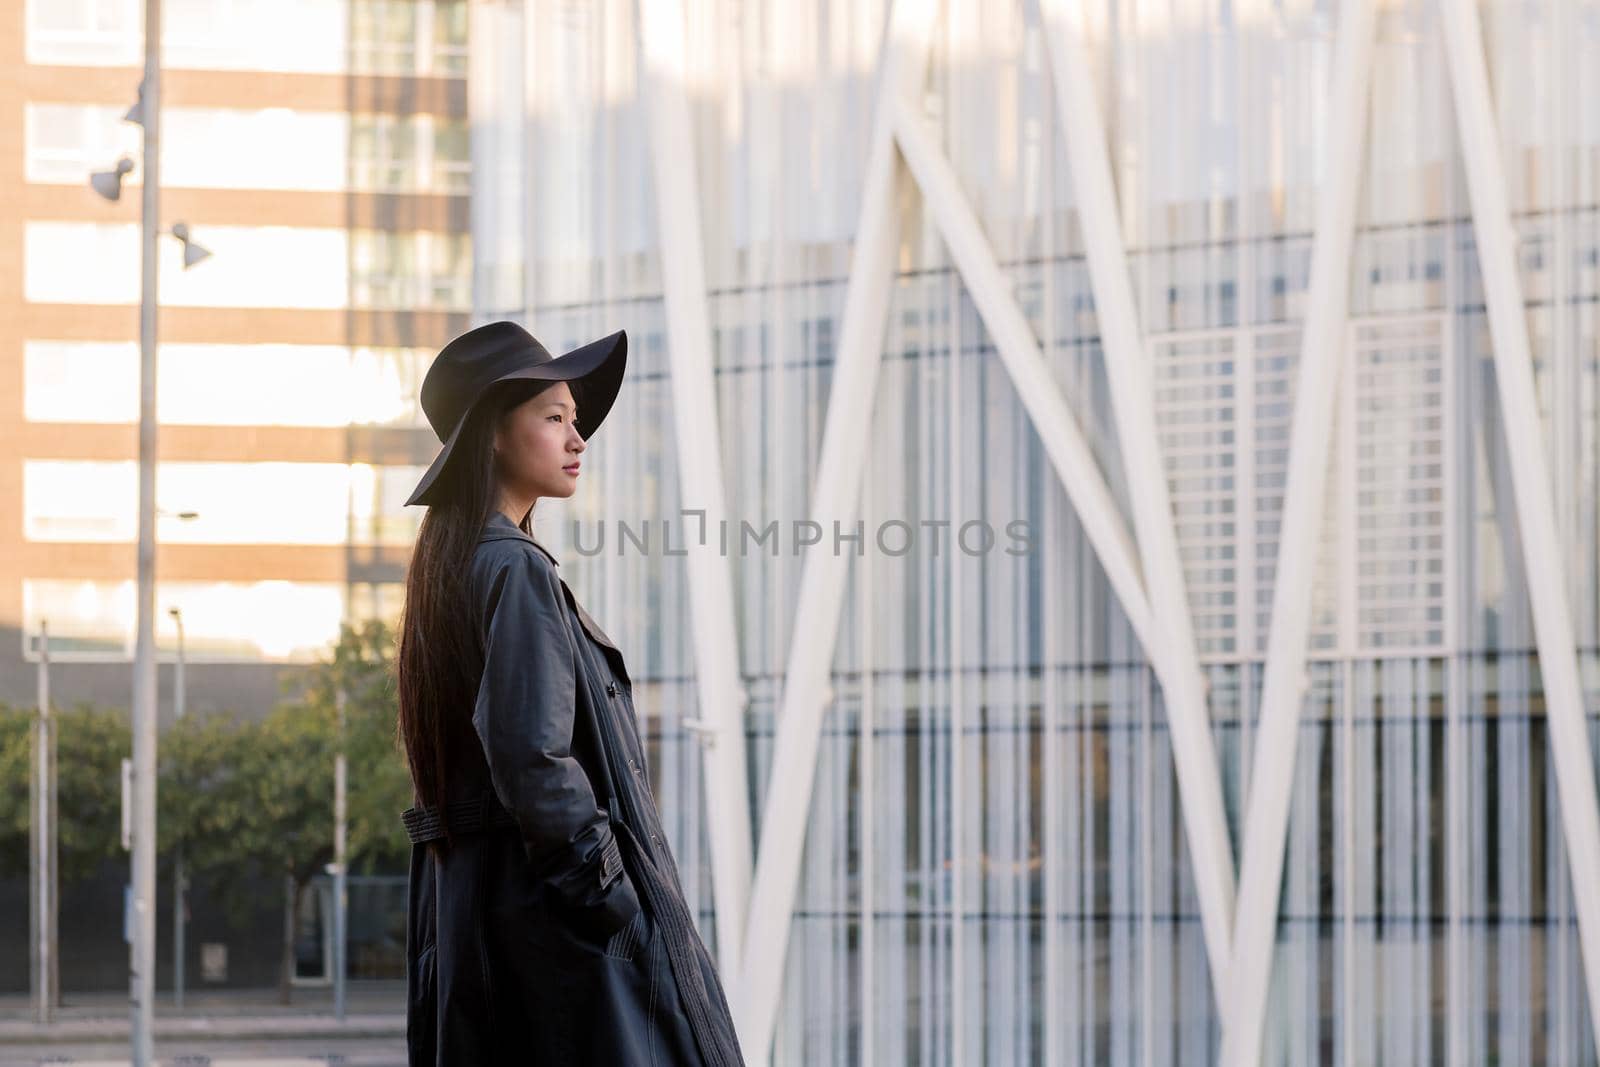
(1133, 402)
(1096, 510)
(1064, 443)
(835, 498)
(1283, 689)
(1530, 476)
(694, 409)
(1052, 418)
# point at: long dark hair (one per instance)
(440, 655)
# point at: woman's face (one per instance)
(537, 446)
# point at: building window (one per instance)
(302, 36)
(68, 142)
(410, 153)
(450, 37)
(253, 266)
(409, 37)
(380, 601)
(231, 503)
(266, 148)
(405, 270)
(222, 621)
(85, 32)
(404, 37)
(452, 156)
(356, 386)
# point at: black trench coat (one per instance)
(561, 935)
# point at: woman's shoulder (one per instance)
(500, 542)
(502, 556)
(499, 535)
(513, 569)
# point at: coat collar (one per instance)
(500, 528)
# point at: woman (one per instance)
(545, 919)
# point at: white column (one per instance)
(1284, 687)
(500, 184)
(699, 441)
(836, 498)
(1133, 403)
(1530, 476)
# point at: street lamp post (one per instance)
(180, 880)
(340, 903)
(142, 792)
(46, 882)
(141, 964)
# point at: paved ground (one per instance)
(342, 1054)
(230, 1028)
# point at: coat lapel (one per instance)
(592, 627)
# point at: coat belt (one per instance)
(485, 812)
(470, 816)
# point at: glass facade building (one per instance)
(995, 866)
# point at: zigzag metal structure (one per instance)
(1145, 574)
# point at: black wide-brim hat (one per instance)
(466, 369)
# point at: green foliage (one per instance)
(90, 746)
(199, 799)
(205, 801)
(246, 801)
(16, 777)
(264, 790)
(379, 784)
(290, 827)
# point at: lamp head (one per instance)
(108, 183)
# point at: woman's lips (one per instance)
(571, 468)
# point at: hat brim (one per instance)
(593, 372)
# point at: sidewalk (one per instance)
(372, 1010)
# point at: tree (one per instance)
(379, 786)
(243, 798)
(91, 743)
(236, 796)
(288, 770)
(204, 802)
(16, 779)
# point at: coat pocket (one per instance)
(422, 1019)
(625, 942)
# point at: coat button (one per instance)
(611, 689)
